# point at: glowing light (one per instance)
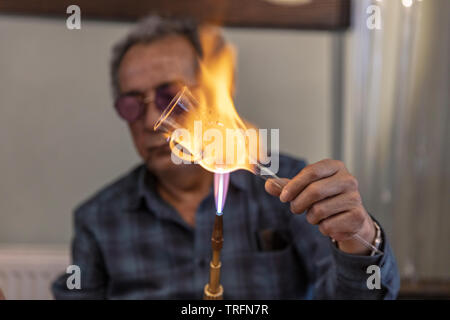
(407, 3)
(221, 181)
(220, 195)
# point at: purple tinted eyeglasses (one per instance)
(132, 105)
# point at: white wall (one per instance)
(61, 141)
(285, 82)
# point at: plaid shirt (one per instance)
(130, 244)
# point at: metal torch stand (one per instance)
(214, 290)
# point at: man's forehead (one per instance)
(148, 65)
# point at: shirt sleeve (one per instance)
(365, 277)
(87, 256)
(334, 274)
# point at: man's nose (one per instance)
(152, 115)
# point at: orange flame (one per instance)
(226, 142)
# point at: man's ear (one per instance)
(2, 296)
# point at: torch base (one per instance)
(208, 295)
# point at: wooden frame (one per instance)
(293, 14)
(425, 289)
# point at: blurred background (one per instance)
(335, 86)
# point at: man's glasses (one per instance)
(131, 106)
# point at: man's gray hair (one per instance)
(148, 30)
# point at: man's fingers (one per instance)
(330, 206)
(342, 226)
(320, 190)
(309, 174)
(274, 186)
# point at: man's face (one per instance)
(143, 68)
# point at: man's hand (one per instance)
(329, 195)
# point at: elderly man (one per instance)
(147, 235)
